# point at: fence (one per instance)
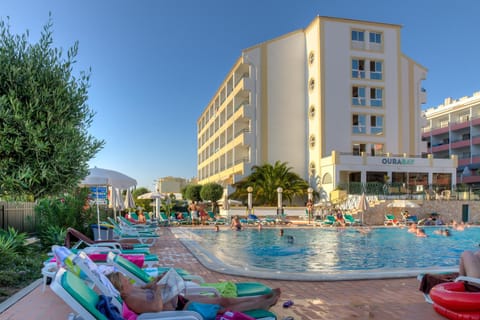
(413, 191)
(19, 215)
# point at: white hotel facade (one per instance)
(338, 101)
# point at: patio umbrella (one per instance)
(154, 195)
(116, 200)
(363, 204)
(105, 177)
(129, 202)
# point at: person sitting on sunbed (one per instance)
(339, 218)
(148, 298)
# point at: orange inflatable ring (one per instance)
(451, 300)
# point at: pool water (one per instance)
(334, 251)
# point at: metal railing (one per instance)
(418, 192)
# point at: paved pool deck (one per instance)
(359, 299)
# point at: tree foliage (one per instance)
(213, 192)
(266, 179)
(192, 192)
(144, 203)
(44, 116)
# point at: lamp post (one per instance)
(249, 203)
(310, 203)
(279, 203)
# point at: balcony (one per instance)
(464, 162)
(459, 125)
(439, 148)
(460, 144)
(475, 121)
(438, 131)
(476, 140)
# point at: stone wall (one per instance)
(448, 210)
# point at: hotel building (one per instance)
(338, 101)
(453, 128)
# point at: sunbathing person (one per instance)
(470, 264)
(148, 298)
(469, 267)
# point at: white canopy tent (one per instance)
(105, 177)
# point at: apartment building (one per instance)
(453, 128)
(338, 101)
(169, 185)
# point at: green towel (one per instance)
(227, 289)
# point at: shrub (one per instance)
(20, 262)
(52, 235)
(56, 213)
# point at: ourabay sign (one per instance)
(337, 168)
(398, 161)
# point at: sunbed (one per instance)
(350, 220)
(83, 300)
(215, 221)
(142, 277)
(328, 221)
(103, 284)
(390, 220)
(75, 239)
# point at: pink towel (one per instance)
(128, 314)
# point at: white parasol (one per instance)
(154, 195)
(129, 202)
(363, 204)
(105, 177)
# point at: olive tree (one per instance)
(44, 116)
(192, 192)
(212, 192)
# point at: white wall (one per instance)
(286, 101)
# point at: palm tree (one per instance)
(266, 179)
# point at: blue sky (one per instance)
(155, 65)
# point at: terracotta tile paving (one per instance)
(373, 299)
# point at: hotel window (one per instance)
(312, 141)
(359, 124)
(358, 96)
(358, 148)
(376, 70)
(377, 149)
(376, 97)
(311, 57)
(358, 39)
(375, 41)
(311, 112)
(312, 169)
(376, 125)
(358, 35)
(358, 69)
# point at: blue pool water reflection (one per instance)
(329, 250)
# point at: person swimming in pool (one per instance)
(236, 224)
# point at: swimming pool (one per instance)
(328, 253)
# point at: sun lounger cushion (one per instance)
(82, 293)
(226, 289)
(245, 289)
